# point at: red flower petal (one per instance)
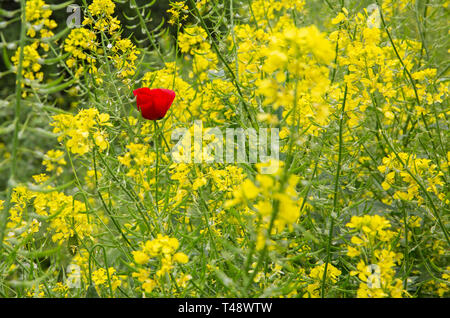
(153, 103)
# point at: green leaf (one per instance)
(63, 5)
(57, 88)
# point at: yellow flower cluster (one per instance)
(37, 13)
(421, 168)
(277, 203)
(82, 45)
(371, 228)
(125, 56)
(316, 274)
(100, 277)
(377, 280)
(65, 217)
(31, 63)
(371, 242)
(375, 68)
(102, 19)
(140, 159)
(36, 291)
(265, 11)
(248, 40)
(194, 41)
(61, 289)
(175, 12)
(102, 7)
(444, 286)
(162, 253)
(87, 52)
(303, 55)
(53, 161)
(40, 178)
(82, 131)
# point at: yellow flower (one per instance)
(140, 257)
(99, 276)
(339, 18)
(149, 285)
(40, 178)
(102, 7)
(249, 190)
(352, 252)
(181, 258)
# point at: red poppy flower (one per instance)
(153, 103)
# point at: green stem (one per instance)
(19, 79)
(156, 145)
(335, 198)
